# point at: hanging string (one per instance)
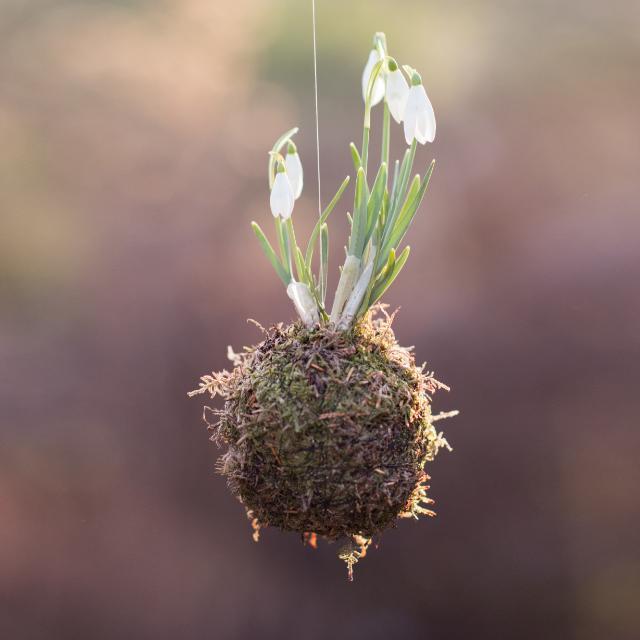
(315, 84)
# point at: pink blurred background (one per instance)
(133, 151)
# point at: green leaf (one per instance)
(376, 198)
(409, 210)
(316, 296)
(355, 156)
(359, 224)
(388, 267)
(386, 282)
(271, 254)
(275, 149)
(389, 237)
(301, 268)
(310, 281)
(396, 169)
(324, 257)
(295, 251)
(372, 282)
(402, 181)
(383, 213)
(322, 219)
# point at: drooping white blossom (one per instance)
(282, 198)
(294, 170)
(397, 92)
(378, 86)
(419, 118)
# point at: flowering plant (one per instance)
(384, 206)
(328, 431)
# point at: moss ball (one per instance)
(326, 432)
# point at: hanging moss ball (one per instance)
(326, 432)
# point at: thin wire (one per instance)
(315, 84)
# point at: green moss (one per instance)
(327, 432)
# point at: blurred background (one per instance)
(133, 140)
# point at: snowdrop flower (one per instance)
(397, 92)
(282, 198)
(294, 169)
(378, 86)
(419, 119)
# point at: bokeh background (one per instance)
(133, 140)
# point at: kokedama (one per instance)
(327, 422)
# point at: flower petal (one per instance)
(411, 112)
(431, 124)
(397, 93)
(421, 127)
(281, 199)
(428, 121)
(378, 86)
(410, 118)
(294, 172)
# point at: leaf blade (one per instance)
(381, 287)
(322, 219)
(270, 253)
(324, 257)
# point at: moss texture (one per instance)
(326, 433)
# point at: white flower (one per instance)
(281, 199)
(294, 170)
(378, 86)
(419, 119)
(396, 94)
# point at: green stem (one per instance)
(397, 199)
(323, 218)
(294, 251)
(321, 268)
(285, 252)
(365, 148)
(287, 249)
(276, 148)
(386, 128)
(324, 262)
(376, 71)
(403, 180)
